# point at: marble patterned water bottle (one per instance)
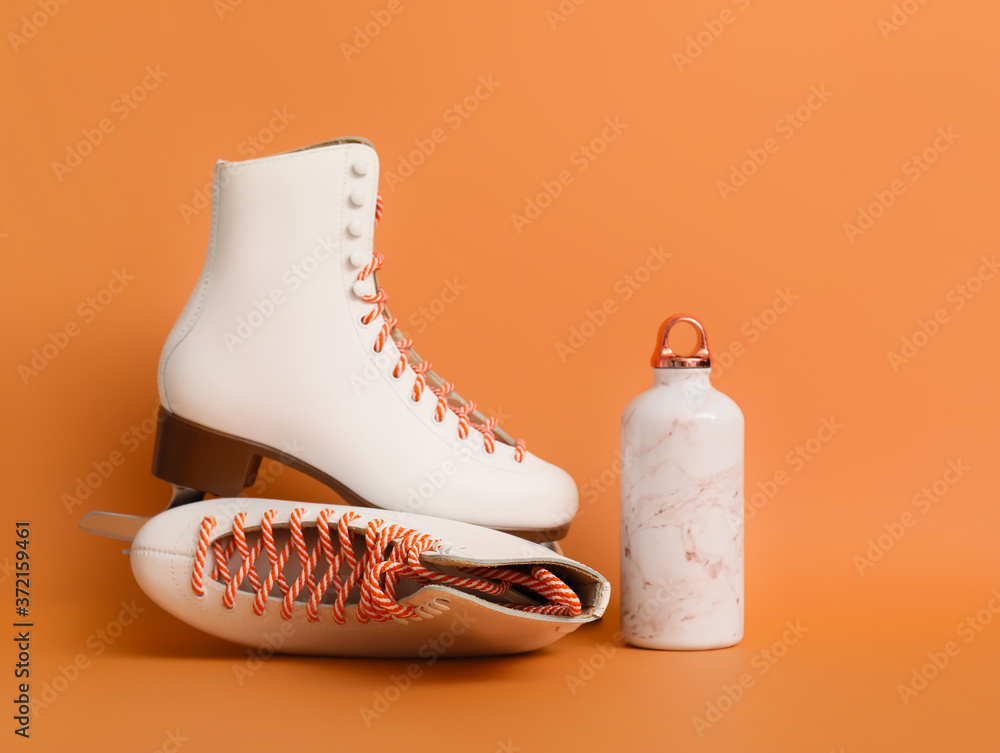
(682, 506)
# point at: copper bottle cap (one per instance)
(665, 358)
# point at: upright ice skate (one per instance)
(286, 350)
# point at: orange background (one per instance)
(826, 357)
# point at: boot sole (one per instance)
(189, 455)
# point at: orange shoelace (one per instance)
(391, 552)
(404, 344)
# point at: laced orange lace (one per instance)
(391, 552)
(404, 344)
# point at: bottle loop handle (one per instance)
(664, 356)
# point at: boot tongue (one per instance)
(334, 142)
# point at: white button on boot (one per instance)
(286, 350)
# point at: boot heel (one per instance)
(190, 455)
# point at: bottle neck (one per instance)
(681, 377)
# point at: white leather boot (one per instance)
(344, 581)
(286, 350)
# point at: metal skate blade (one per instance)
(112, 524)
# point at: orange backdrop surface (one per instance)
(815, 181)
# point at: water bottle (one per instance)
(682, 506)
